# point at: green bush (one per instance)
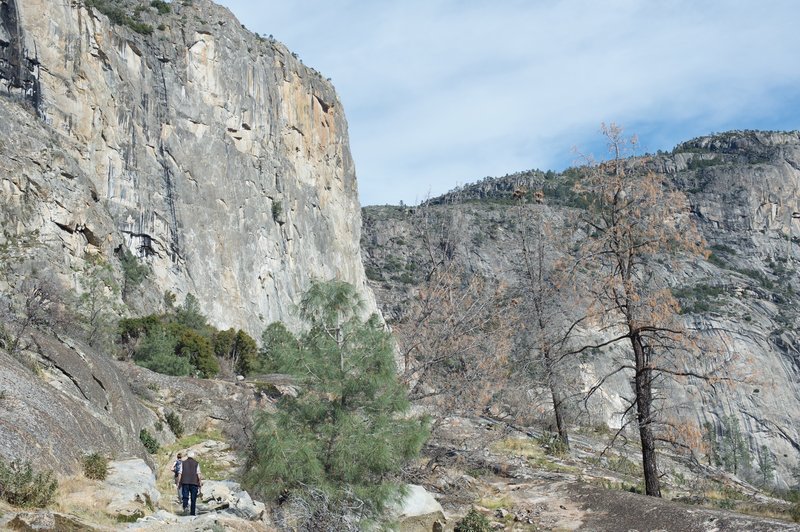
(728, 445)
(724, 249)
(474, 521)
(195, 348)
(132, 328)
(130, 518)
(189, 315)
(95, 466)
(699, 299)
(181, 342)
(157, 353)
(277, 210)
(20, 486)
(697, 163)
(238, 348)
(120, 16)
(148, 441)
(794, 512)
(373, 273)
(717, 261)
(133, 271)
(163, 7)
(175, 424)
(552, 444)
(756, 275)
(621, 464)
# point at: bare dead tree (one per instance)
(454, 336)
(633, 218)
(35, 305)
(550, 306)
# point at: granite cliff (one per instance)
(743, 191)
(170, 134)
(212, 154)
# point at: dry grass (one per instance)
(84, 498)
(518, 447)
(533, 452)
(495, 503)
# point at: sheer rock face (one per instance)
(74, 403)
(212, 154)
(744, 192)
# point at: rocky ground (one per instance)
(131, 498)
(503, 472)
(509, 477)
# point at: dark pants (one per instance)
(189, 491)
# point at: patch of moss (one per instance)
(132, 518)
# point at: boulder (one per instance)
(131, 486)
(229, 497)
(44, 521)
(418, 510)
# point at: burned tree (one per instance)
(633, 218)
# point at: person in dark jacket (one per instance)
(190, 480)
(176, 470)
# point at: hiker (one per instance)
(190, 481)
(176, 469)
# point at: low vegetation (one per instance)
(21, 486)
(474, 521)
(121, 15)
(175, 424)
(149, 442)
(95, 466)
(181, 342)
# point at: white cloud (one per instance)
(440, 92)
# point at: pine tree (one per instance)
(347, 432)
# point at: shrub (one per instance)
(132, 328)
(697, 163)
(277, 210)
(195, 348)
(716, 260)
(20, 486)
(148, 441)
(189, 315)
(118, 15)
(373, 273)
(794, 512)
(163, 7)
(95, 466)
(157, 353)
(175, 424)
(474, 521)
(622, 464)
(130, 518)
(552, 444)
(238, 348)
(133, 271)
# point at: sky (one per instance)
(441, 93)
